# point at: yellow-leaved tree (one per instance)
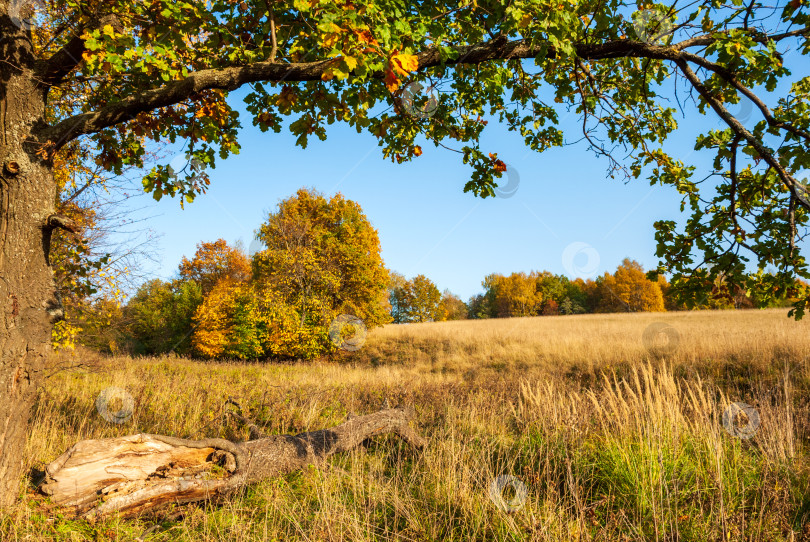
(238, 320)
(513, 295)
(321, 260)
(629, 290)
(323, 256)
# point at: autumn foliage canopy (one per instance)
(321, 260)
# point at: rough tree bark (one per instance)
(28, 297)
(144, 473)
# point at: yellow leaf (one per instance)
(405, 64)
(331, 40)
(351, 62)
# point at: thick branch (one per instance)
(792, 185)
(61, 222)
(233, 77)
(142, 473)
(726, 74)
(68, 57)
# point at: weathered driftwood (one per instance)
(142, 473)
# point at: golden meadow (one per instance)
(595, 433)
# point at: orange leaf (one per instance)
(364, 36)
(405, 64)
(497, 165)
(391, 81)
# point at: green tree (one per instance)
(160, 315)
(567, 306)
(560, 294)
(121, 73)
(416, 300)
(576, 293)
(477, 307)
(396, 281)
(550, 286)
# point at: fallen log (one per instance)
(144, 473)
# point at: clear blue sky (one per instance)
(426, 223)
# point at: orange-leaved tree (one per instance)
(214, 262)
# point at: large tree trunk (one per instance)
(144, 473)
(27, 293)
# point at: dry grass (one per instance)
(610, 441)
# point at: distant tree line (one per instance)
(320, 259)
(541, 293)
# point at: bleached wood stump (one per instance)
(142, 473)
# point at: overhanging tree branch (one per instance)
(795, 188)
(726, 74)
(232, 78)
(500, 48)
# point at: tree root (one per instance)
(144, 473)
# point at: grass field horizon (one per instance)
(590, 427)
